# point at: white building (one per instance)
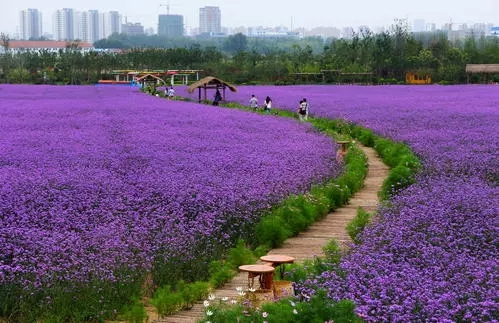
(64, 23)
(210, 20)
(30, 24)
(89, 26)
(110, 23)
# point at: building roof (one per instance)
(482, 68)
(210, 81)
(149, 76)
(40, 44)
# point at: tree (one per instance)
(236, 43)
(6, 57)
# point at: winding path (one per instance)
(307, 244)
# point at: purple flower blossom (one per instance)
(100, 179)
(432, 255)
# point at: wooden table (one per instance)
(278, 260)
(264, 273)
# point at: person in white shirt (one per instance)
(253, 102)
(267, 104)
(171, 92)
(303, 110)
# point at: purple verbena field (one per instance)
(100, 180)
(430, 256)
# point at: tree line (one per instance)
(383, 57)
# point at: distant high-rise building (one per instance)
(30, 24)
(419, 26)
(431, 27)
(92, 26)
(171, 25)
(109, 23)
(64, 24)
(130, 28)
(86, 26)
(210, 20)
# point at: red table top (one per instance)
(257, 269)
(278, 259)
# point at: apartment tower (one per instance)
(210, 20)
(64, 24)
(30, 24)
(171, 26)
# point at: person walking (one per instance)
(267, 104)
(218, 98)
(307, 108)
(302, 110)
(253, 102)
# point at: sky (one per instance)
(270, 13)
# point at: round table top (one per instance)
(257, 268)
(278, 259)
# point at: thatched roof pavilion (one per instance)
(484, 69)
(210, 82)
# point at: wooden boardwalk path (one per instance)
(307, 244)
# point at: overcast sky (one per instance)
(270, 13)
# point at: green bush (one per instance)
(293, 217)
(399, 178)
(365, 136)
(220, 273)
(357, 224)
(272, 231)
(166, 300)
(321, 201)
(192, 292)
(318, 309)
(335, 194)
(333, 252)
(133, 313)
(240, 255)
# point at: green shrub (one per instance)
(240, 255)
(321, 201)
(293, 217)
(333, 252)
(166, 300)
(366, 137)
(220, 273)
(335, 194)
(134, 313)
(297, 272)
(193, 292)
(399, 178)
(357, 224)
(272, 231)
(318, 310)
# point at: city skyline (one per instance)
(291, 14)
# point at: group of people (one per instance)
(253, 102)
(267, 104)
(303, 107)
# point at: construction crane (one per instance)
(167, 5)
